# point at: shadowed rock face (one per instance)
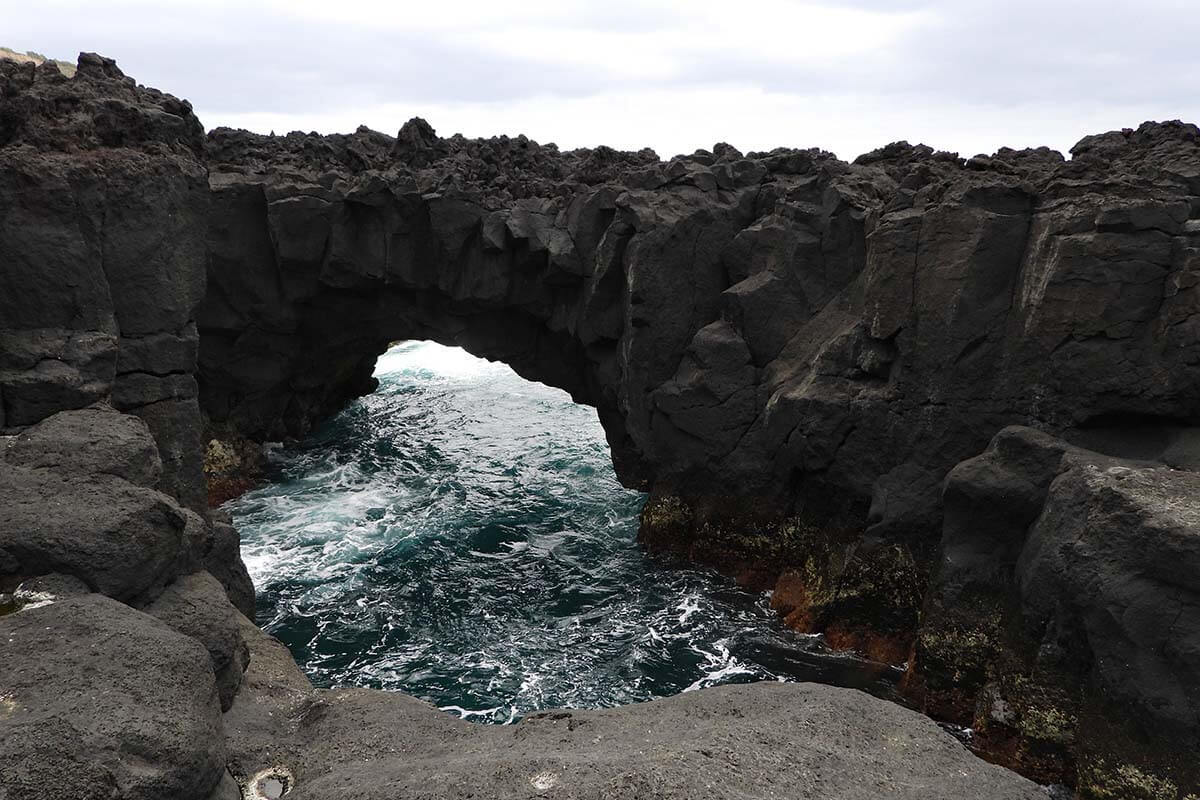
(791, 353)
(755, 332)
(103, 202)
(1063, 623)
(788, 351)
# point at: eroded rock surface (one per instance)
(788, 351)
(761, 740)
(1063, 623)
(91, 441)
(98, 700)
(103, 202)
(196, 605)
(785, 323)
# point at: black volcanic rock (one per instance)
(788, 351)
(788, 324)
(80, 500)
(92, 441)
(122, 540)
(1115, 557)
(222, 559)
(762, 740)
(103, 202)
(196, 605)
(1068, 592)
(99, 700)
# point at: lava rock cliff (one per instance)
(945, 407)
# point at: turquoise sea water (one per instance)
(460, 535)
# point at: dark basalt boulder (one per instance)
(99, 700)
(122, 540)
(79, 500)
(222, 559)
(93, 441)
(196, 605)
(1115, 557)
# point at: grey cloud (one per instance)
(1004, 54)
(260, 62)
(998, 54)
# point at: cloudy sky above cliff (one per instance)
(846, 75)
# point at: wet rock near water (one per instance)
(1063, 623)
(788, 351)
(801, 359)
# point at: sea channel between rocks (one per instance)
(458, 535)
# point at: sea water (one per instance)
(460, 535)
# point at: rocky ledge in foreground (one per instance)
(102, 700)
(946, 408)
(760, 740)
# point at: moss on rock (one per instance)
(1102, 780)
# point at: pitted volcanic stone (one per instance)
(100, 700)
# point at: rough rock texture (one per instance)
(95, 440)
(196, 605)
(761, 740)
(787, 351)
(103, 202)
(1115, 557)
(223, 560)
(120, 539)
(98, 700)
(1064, 622)
(785, 323)
(79, 500)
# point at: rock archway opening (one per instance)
(460, 534)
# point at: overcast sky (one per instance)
(845, 75)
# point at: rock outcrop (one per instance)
(197, 605)
(785, 323)
(787, 351)
(100, 700)
(103, 209)
(800, 359)
(1063, 624)
(103, 205)
(761, 740)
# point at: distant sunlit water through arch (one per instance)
(460, 535)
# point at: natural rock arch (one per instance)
(757, 334)
(308, 284)
(764, 337)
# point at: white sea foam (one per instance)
(688, 606)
